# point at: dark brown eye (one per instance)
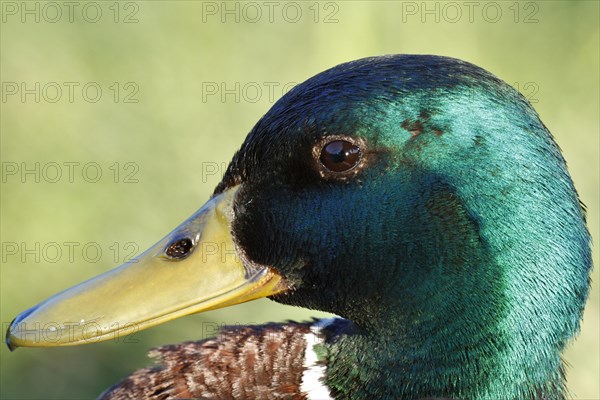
(340, 156)
(180, 248)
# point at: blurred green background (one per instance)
(181, 83)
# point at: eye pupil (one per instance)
(340, 156)
(179, 248)
(336, 151)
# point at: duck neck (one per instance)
(418, 362)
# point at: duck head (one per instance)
(418, 196)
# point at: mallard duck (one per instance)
(418, 197)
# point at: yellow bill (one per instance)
(194, 268)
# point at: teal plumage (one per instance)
(455, 243)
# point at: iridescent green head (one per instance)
(456, 231)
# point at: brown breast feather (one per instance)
(251, 362)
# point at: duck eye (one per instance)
(340, 156)
(180, 248)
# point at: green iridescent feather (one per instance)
(459, 250)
